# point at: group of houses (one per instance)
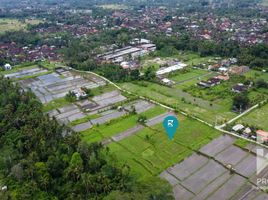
(247, 132)
(226, 68)
(126, 56)
(28, 53)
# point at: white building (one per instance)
(166, 70)
(7, 67)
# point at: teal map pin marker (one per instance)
(171, 124)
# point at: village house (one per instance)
(79, 93)
(167, 82)
(166, 70)
(239, 88)
(238, 70)
(262, 136)
(238, 127)
(7, 67)
(210, 82)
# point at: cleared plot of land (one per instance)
(257, 118)
(107, 99)
(190, 58)
(120, 126)
(67, 114)
(51, 86)
(26, 73)
(14, 24)
(139, 106)
(205, 176)
(257, 75)
(204, 109)
(156, 152)
(181, 77)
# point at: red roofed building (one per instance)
(262, 136)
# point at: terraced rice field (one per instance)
(117, 126)
(155, 152)
(205, 175)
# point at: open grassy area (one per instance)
(202, 108)
(155, 152)
(14, 24)
(84, 120)
(33, 75)
(103, 89)
(101, 132)
(181, 76)
(257, 118)
(190, 58)
(57, 103)
(254, 74)
(18, 68)
(241, 143)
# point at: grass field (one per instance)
(241, 143)
(257, 118)
(155, 152)
(257, 75)
(177, 98)
(182, 76)
(57, 103)
(14, 24)
(99, 133)
(18, 68)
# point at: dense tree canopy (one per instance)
(40, 159)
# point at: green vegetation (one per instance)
(185, 75)
(102, 132)
(175, 97)
(241, 143)
(20, 67)
(156, 152)
(15, 25)
(37, 162)
(33, 76)
(102, 89)
(253, 56)
(57, 103)
(257, 118)
(84, 120)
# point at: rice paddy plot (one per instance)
(117, 126)
(207, 175)
(155, 152)
(175, 97)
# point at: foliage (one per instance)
(41, 159)
(241, 143)
(241, 101)
(260, 83)
(70, 96)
